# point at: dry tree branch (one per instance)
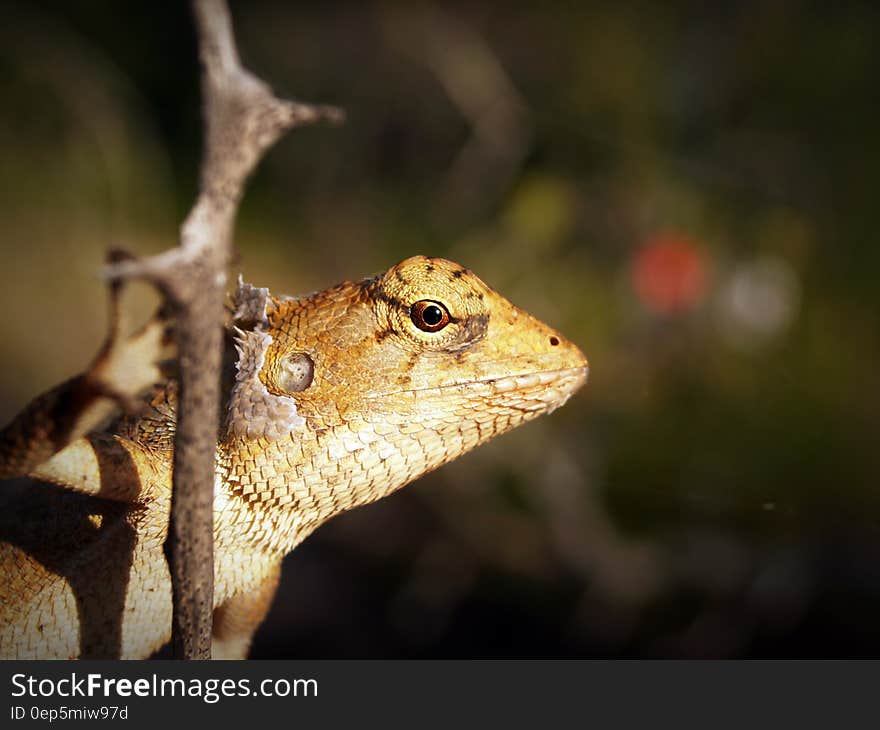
(242, 119)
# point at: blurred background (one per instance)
(686, 191)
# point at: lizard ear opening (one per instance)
(296, 372)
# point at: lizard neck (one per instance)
(272, 494)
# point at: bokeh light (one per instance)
(669, 274)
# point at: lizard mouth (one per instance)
(536, 378)
(540, 390)
(548, 388)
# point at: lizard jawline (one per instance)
(508, 383)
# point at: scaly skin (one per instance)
(339, 399)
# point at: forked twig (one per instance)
(242, 119)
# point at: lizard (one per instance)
(336, 399)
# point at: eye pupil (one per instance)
(429, 316)
(432, 315)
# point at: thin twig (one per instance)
(242, 119)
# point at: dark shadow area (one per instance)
(88, 541)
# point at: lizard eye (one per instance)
(429, 316)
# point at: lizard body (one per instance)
(338, 399)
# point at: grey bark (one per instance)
(242, 119)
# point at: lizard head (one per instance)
(427, 339)
(392, 376)
(449, 337)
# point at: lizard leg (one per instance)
(237, 619)
(123, 368)
(102, 465)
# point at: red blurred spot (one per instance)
(668, 273)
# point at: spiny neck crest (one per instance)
(253, 411)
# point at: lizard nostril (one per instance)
(554, 341)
